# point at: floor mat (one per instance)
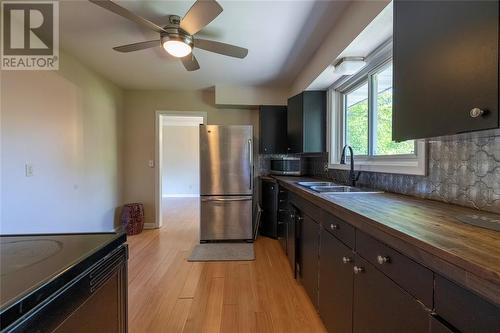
(223, 252)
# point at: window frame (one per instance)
(413, 164)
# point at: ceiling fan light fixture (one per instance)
(178, 47)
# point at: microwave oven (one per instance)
(286, 166)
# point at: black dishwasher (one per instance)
(89, 296)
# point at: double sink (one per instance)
(329, 188)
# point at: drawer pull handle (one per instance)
(334, 226)
(383, 259)
(346, 260)
(358, 269)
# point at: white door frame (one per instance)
(158, 155)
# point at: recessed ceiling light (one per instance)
(349, 65)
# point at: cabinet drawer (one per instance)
(411, 276)
(381, 306)
(306, 207)
(465, 310)
(339, 228)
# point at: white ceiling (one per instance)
(374, 35)
(281, 36)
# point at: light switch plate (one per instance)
(151, 163)
(28, 168)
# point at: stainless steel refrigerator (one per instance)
(226, 182)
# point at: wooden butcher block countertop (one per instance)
(425, 230)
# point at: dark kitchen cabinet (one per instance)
(269, 204)
(446, 67)
(335, 284)
(272, 129)
(308, 256)
(381, 306)
(436, 326)
(306, 122)
(291, 239)
(463, 309)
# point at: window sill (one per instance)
(415, 167)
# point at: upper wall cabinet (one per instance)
(307, 122)
(445, 67)
(272, 129)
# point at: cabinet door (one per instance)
(309, 252)
(269, 204)
(294, 124)
(273, 129)
(437, 326)
(335, 284)
(445, 65)
(291, 240)
(314, 126)
(381, 306)
(463, 309)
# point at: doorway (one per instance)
(178, 173)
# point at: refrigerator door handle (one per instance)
(250, 162)
(227, 199)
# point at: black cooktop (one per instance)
(30, 262)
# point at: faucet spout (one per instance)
(353, 177)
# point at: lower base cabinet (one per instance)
(335, 284)
(308, 257)
(437, 326)
(381, 306)
(464, 310)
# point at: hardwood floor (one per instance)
(169, 294)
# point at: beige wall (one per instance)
(139, 138)
(180, 160)
(67, 124)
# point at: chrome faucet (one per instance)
(353, 177)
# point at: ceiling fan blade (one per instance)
(138, 46)
(221, 48)
(123, 12)
(199, 15)
(190, 62)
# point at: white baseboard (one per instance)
(180, 195)
(150, 226)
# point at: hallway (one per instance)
(169, 294)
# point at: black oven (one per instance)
(287, 166)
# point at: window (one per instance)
(382, 117)
(356, 119)
(360, 115)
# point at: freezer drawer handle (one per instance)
(230, 199)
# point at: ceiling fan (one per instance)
(177, 37)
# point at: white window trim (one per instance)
(400, 164)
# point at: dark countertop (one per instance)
(30, 262)
(425, 230)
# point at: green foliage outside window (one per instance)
(384, 144)
(357, 128)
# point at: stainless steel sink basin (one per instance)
(334, 188)
(337, 188)
(350, 190)
(311, 184)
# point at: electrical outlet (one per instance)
(29, 170)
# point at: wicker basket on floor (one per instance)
(132, 218)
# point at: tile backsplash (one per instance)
(465, 172)
(462, 172)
